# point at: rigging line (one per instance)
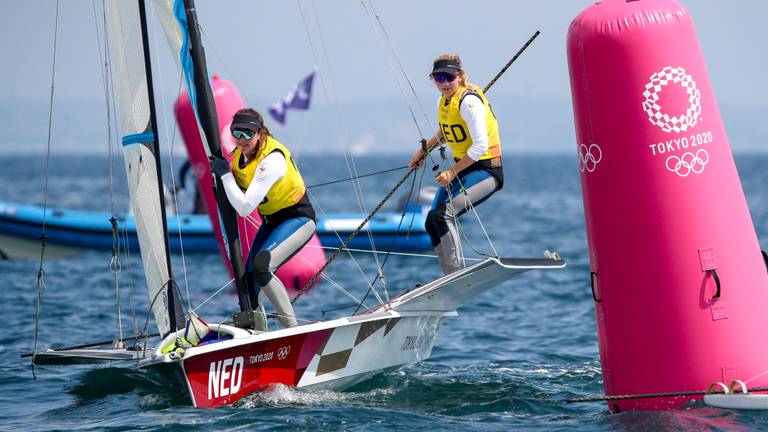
(400, 63)
(250, 219)
(330, 280)
(378, 207)
(114, 263)
(392, 243)
(404, 254)
(359, 194)
(127, 252)
(41, 271)
(210, 44)
(316, 203)
(212, 296)
(391, 246)
(325, 50)
(408, 254)
(329, 88)
(171, 143)
(306, 262)
(358, 177)
(394, 72)
(421, 184)
(471, 208)
(353, 234)
(166, 287)
(357, 189)
(312, 48)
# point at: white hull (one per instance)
(331, 354)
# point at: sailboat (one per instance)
(225, 362)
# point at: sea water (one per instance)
(509, 361)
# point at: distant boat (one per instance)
(70, 232)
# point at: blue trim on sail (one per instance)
(185, 58)
(138, 138)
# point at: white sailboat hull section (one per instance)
(449, 292)
(333, 354)
(328, 355)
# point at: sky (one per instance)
(361, 100)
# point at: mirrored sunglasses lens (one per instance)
(242, 134)
(443, 77)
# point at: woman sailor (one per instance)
(264, 176)
(468, 125)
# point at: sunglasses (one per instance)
(244, 134)
(441, 77)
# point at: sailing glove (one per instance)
(219, 166)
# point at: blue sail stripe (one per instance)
(185, 59)
(138, 138)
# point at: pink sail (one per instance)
(300, 268)
(665, 212)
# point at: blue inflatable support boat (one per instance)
(73, 230)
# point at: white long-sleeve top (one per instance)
(271, 169)
(473, 112)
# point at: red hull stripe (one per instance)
(224, 376)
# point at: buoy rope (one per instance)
(655, 395)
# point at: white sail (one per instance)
(138, 135)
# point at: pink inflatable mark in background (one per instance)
(665, 212)
(299, 269)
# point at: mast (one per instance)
(206, 111)
(172, 292)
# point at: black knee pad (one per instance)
(261, 272)
(431, 226)
(435, 224)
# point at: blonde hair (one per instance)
(463, 78)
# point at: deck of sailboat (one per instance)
(440, 297)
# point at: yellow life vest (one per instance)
(285, 192)
(455, 129)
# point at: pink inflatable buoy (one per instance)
(301, 267)
(680, 286)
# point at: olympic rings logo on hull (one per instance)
(688, 163)
(589, 157)
(656, 115)
(282, 352)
